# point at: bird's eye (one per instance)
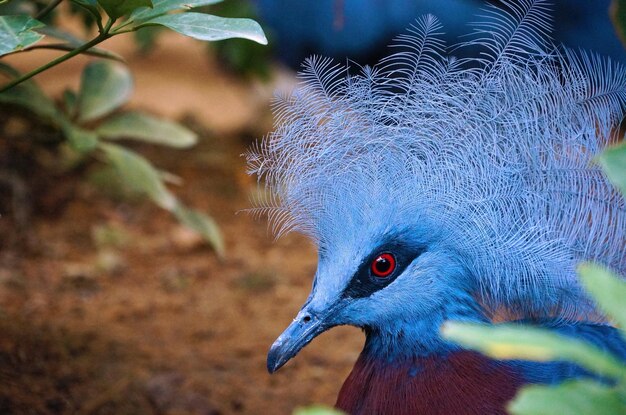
(383, 265)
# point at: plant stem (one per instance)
(44, 12)
(54, 62)
(107, 27)
(99, 23)
(101, 37)
(117, 30)
(66, 47)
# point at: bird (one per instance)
(438, 186)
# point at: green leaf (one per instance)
(118, 8)
(210, 28)
(82, 141)
(582, 397)
(104, 87)
(140, 175)
(28, 95)
(515, 341)
(163, 6)
(607, 289)
(202, 224)
(16, 33)
(613, 161)
(317, 410)
(147, 128)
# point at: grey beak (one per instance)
(304, 328)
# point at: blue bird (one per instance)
(443, 189)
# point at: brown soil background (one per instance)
(117, 309)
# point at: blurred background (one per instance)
(108, 304)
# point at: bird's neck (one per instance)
(407, 369)
(401, 340)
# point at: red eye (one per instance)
(383, 265)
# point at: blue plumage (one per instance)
(471, 180)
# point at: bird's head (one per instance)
(437, 184)
(382, 268)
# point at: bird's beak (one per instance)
(305, 327)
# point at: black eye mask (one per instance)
(373, 275)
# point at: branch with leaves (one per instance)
(90, 120)
(22, 32)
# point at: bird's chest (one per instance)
(459, 383)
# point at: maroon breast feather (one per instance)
(460, 383)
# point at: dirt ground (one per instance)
(116, 309)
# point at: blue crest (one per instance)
(492, 156)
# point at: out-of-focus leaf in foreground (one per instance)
(580, 397)
(613, 162)
(607, 289)
(514, 341)
(317, 410)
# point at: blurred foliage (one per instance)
(508, 341)
(317, 410)
(613, 161)
(90, 126)
(515, 341)
(110, 236)
(617, 12)
(88, 123)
